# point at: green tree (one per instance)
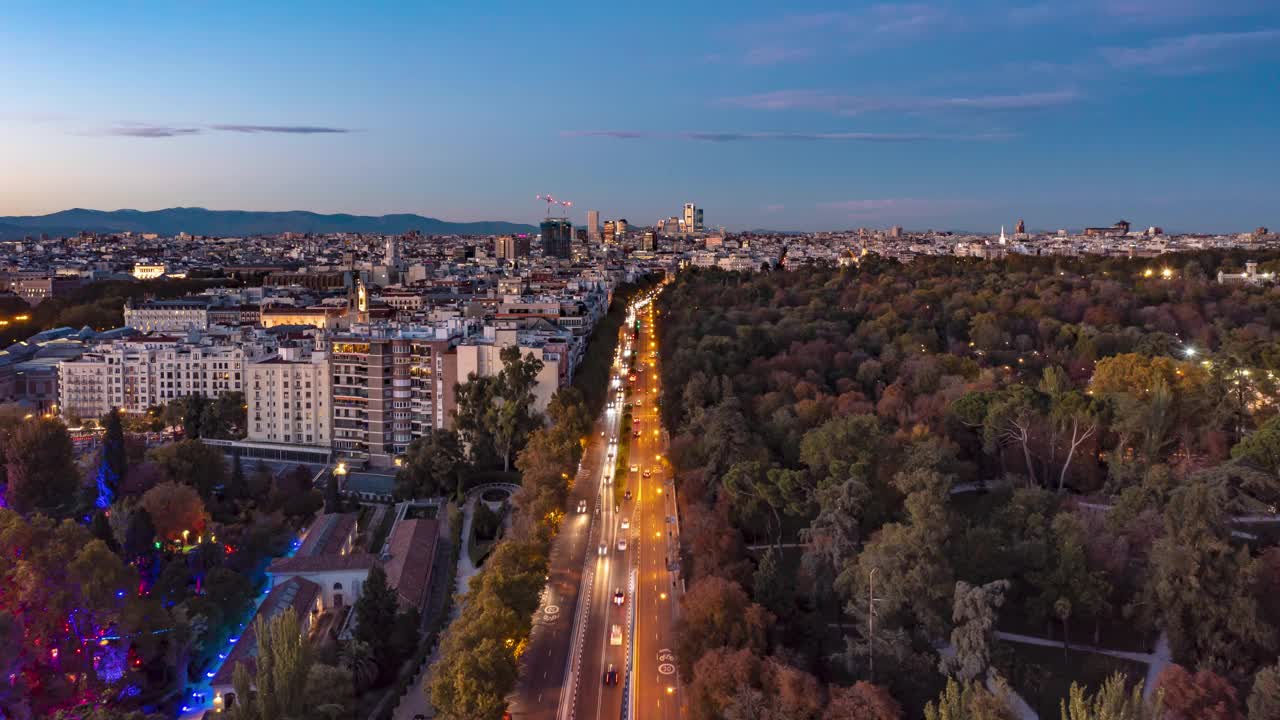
(115, 462)
(283, 666)
(474, 400)
(1011, 419)
(1264, 697)
(1198, 586)
(40, 471)
(1113, 701)
(773, 588)
(1261, 448)
(969, 701)
(434, 465)
(357, 658)
(237, 489)
(193, 463)
(332, 498)
(914, 575)
(376, 617)
(330, 691)
(513, 416)
(974, 613)
(1066, 584)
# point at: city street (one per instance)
(612, 599)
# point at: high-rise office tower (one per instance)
(620, 229)
(692, 218)
(511, 247)
(593, 226)
(393, 252)
(610, 232)
(557, 238)
(649, 241)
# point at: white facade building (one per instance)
(289, 399)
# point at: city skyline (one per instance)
(925, 114)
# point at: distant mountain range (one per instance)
(231, 223)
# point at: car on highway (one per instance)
(626, 495)
(582, 506)
(619, 597)
(622, 544)
(611, 675)
(635, 434)
(626, 524)
(604, 550)
(615, 635)
(647, 473)
(635, 468)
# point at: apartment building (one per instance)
(134, 376)
(482, 357)
(167, 316)
(390, 386)
(289, 398)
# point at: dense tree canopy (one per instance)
(1079, 428)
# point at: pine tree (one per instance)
(376, 616)
(332, 500)
(237, 487)
(115, 461)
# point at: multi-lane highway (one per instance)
(602, 642)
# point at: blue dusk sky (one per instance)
(961, 114)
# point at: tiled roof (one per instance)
(327, 535)
(297, 593)
(321, 563)
(413, 550)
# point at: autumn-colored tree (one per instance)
(175, 509)
(718, 614)
(863, 701)
(1202, 696)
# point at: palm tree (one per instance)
(358, 657)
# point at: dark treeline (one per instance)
(928, 434)
(98, 305)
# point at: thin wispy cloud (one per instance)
(843, 104)
(153, 130)
(903, 208)
(1159, 11)
(285, 129)
(149, 131)
(1193, 53)
(725, 137)
(801, 36)
(774, 55)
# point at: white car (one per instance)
(582, 506)
(622, 544)
(603, 549)
(626, 524)
(615, 635)
(618, 597)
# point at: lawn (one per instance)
(1043, 675)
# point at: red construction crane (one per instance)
(552, 202)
